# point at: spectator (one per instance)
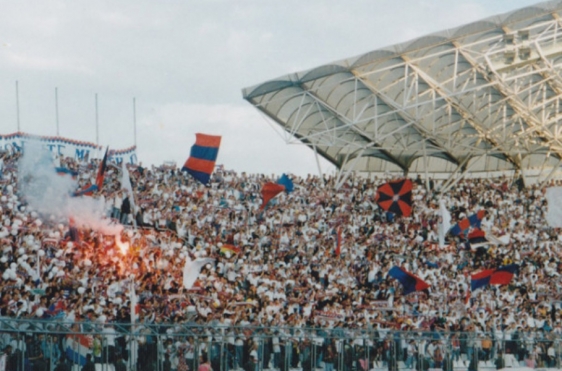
(204, 365)
(63, 364)
(121, 366)
(13, 362)
(89, 365)
(34, 356)
(125, 209)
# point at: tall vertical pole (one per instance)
(133, 342)
(97, 123)
(320, 174)
(135, 121)
(18, 105)
(57, 109)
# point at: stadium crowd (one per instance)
(276, 272)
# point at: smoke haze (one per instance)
(50, 194)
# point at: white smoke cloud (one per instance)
(51, 194)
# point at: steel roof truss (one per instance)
(469, 116)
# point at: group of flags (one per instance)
(201, 164)
(394, 197)
(89, 189)
(497, 276)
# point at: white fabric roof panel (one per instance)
(485, 95)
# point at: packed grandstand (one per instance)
(315, 258)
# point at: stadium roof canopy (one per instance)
(481, 97)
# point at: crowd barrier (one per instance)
(159, 347)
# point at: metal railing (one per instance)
(33, 345)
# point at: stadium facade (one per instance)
(479, 98)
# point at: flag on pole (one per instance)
(89, 189)
(477, 238)
(395, 197)
(228, 248)
(269, 191)
(101, 170)
(126, 184)
(201, 161)
(191, 270)
(462, 227)
(445, 222)
(338, 241)
(409, 282)
(499, 276)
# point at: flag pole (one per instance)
(132, 340)
(135, 121)
(57, 109)
(97, 123)
(133, 300)
(18, 105)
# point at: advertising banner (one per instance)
(79, 150)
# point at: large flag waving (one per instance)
(409, 282)
(270, 190)
(396, 197)
(191, 270)
(462, 227)
(499, 276)
(201, 161)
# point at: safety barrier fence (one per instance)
(35, 345)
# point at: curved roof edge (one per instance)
(396, 50)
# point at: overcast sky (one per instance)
(186, 63)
